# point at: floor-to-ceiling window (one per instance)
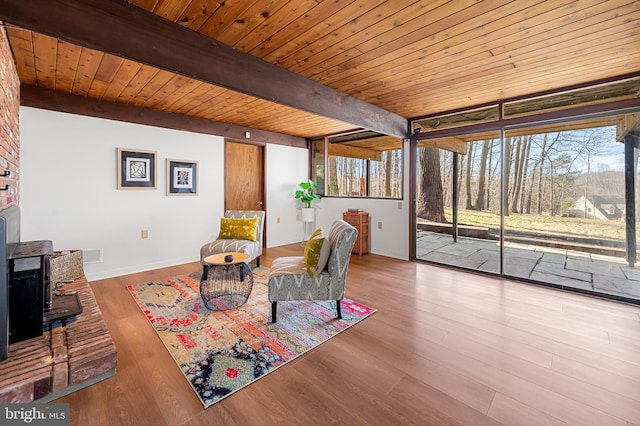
(534, 193)
(462, 226)
(564, 203)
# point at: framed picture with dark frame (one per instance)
(182, 177)
(137, 169)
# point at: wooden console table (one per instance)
(360, 221)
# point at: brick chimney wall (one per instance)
(9, 124)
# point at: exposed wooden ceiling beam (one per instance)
(116, 27)
(627, 124)
(341, 150)
(449, 144)
(37, 97)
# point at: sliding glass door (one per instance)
(545, 204)
(564, 210)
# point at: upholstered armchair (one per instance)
(306, 277)
(238, 235)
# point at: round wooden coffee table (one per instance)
(225, 285)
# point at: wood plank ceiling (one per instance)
(408, 57)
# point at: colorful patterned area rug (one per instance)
(220, 352)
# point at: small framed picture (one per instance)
(182, 177)
(136, 169)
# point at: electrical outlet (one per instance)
(399, 205)
(278, 219)
(144, 233)
(298, 217)
(379, 225)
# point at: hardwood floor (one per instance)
(445, 347)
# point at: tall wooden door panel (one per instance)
(244, 176)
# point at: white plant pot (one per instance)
(308, 214)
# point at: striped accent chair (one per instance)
(252, 248)
(289, 279)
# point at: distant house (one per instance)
(598, 207)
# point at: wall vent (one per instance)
(92, 256)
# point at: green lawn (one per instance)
(548, 224)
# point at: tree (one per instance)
(507, 172)
(469, 205)
(332, 181)
(482, 175)
(517, 170)
(430, 202)
(524, 172)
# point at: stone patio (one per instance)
(604, 274)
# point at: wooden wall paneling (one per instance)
(170, 9)
(350, 36)
(503, 85)
(145, 74)
(149, 90)
(105, 73)
(169, 92)
(68, 57)
(235, 102)
(404, 61)
(553, 25)
(197, 12)
(202, 94)
(394, 41)
(466, 43)
(87, 68)
(254, 17)
(109, 65)
(207, 104)
(22, 47)
(223, 18)
(297, 50)
(281, 19)
(182, 96)
(271, 47)
(123, 77)
(449, 50)
(66, 64)
(566, 54)
(45, 51)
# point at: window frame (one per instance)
(323, 185)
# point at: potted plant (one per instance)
(307, 194)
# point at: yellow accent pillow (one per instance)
(238, 229)
(316, 253)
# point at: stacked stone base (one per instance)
(65, 359)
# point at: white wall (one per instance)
(68, 192)
(286, 167)
(68, 195)
(392, 239)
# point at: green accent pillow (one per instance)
(238, 229)
(316, 253)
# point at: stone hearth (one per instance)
(63, 360)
